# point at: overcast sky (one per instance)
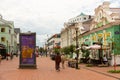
(46, 17)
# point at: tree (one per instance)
(66, 50)
(41, 49)
(72, 49)
(56, 50)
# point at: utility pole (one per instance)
(77, 46)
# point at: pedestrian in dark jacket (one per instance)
(57, 61)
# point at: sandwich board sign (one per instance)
(27, 50)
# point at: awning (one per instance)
(95, 46)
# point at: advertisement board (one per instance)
(27, 50)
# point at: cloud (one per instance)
(46, 16)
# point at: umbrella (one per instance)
(78, 48)
(87, 47)
(95, 46)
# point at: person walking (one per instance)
(105, 59)
(11, 55)
(57, 61)
(0, 58)
(63, 60)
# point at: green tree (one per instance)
(56, 50)
(66, 50)
(72, 49)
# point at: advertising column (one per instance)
(27, 50)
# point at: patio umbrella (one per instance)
(87, 47)
(95, 46)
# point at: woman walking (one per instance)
(63, 60)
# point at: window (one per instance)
(9, 31)
(100, 14)
(3, 39)
(2, 29)
(89, 17)
(84, 18)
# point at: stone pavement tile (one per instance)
(46, 71)
(103, 70)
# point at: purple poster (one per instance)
(27, 43)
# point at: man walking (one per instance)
(57, 61)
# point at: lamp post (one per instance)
(8, 49)
(77, 51)
(100, 50)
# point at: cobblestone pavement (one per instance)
(45, 71)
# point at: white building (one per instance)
(17, 31)
(54, 42)
(80, 18)
(68, 33)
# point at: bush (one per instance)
(89, 65)
(114, 71)
(52, 56)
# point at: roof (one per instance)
(81, 14)
(6, 23)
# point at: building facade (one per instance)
(104, 31)
(7, 35)
(17, 31)
(68, 33)
(54, 42)
(80, 18)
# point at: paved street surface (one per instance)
(46, 71)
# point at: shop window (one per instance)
(2, 29)
(3, 39)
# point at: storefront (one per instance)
(108, 37)
(2, 51)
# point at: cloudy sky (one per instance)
(46, 17)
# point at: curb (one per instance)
(101, 73)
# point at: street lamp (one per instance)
(8, 47)
(77, 46)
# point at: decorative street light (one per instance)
(77, 46)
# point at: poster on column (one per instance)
(27, 49)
